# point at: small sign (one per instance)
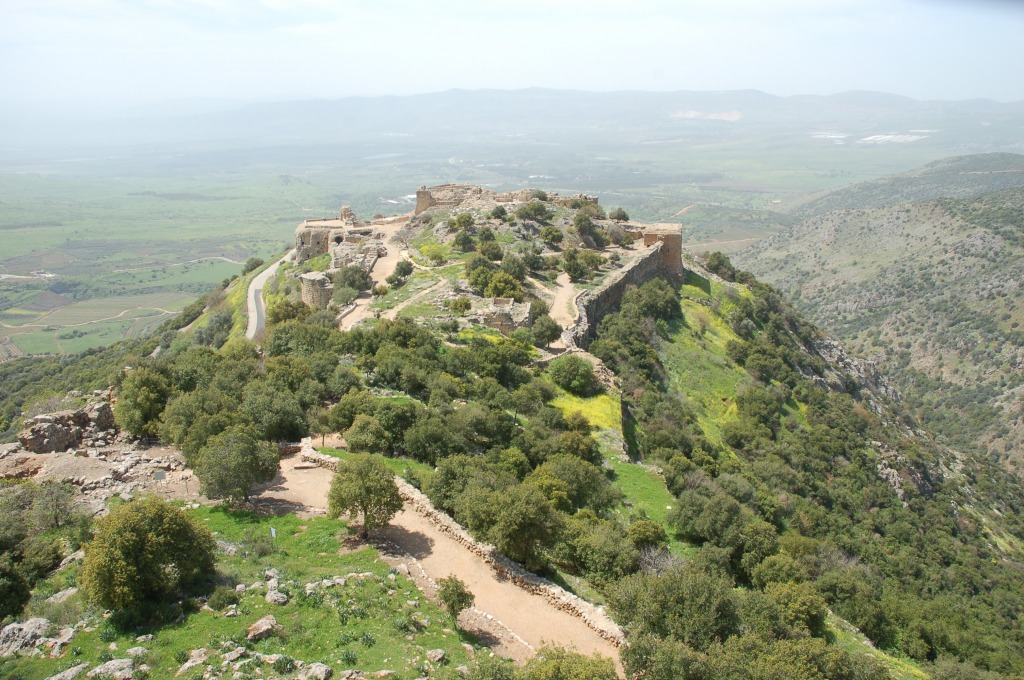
(159, 475)
(273, 532)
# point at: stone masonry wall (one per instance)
(591, 305)
(591, 614)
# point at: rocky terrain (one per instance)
(930, 290)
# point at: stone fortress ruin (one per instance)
(350, 241)
(347, 240)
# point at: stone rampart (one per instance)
(591, 305)
(590, 614)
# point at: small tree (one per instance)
(619, 215)
(141, 400)
(502, 285)
(551, 235)
(353, 276)
(546, 330)
(403, 268)
(365, 486)
(319, 419)
(251, 264)
(464, 241)
(14, 590)
(455, 596)
(460, 305)
(144, 551)
(366, 435)
(345, 295)
(573, 374)
(235, 461)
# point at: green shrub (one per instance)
(573, 374)
(222, 597)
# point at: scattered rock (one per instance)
(240, 588)
(276, 597)
(118, 669)
(235, 654)
(19, 637)
(231, 611)
(262, 629)
(61, 596)
(196, 657)
(144, 638)
(470, 652)
(269, 574)
(435, 655)
(71, 673)
(136, 652)
(316, 671)
(56, 643)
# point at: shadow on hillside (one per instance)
(412, 543)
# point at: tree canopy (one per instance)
(364, 485)
(144, 551)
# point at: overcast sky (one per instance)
(145, 51)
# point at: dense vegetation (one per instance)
(790, 505)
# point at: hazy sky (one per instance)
(72, 51)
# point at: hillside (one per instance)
(738, 493)
(956, 177)
(929, 290)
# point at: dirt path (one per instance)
(519, 623)
(562, 309)
(393, 312)
(685, 210)
(382, 269)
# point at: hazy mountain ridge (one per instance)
(535, 111)
(957, 177)
(930, 289)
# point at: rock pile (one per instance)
(63, 430)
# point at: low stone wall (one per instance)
(592, 615)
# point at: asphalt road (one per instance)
(254, 303)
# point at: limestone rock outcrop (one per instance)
(63, 430)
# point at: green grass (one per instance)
(846, 637)
(400, 465)
(643, 490)
(306, 550)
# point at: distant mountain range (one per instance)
(922, 271)
(461, 114)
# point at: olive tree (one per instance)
(144, 551)
(364, 485)
(234, 461)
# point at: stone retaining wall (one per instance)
(592, 615)
(591, 305)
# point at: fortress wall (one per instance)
(592, 305)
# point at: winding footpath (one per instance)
(254, 297)
(529, 619)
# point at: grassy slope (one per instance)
(700, 369)
(307, 550)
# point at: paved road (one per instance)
(254, 302)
